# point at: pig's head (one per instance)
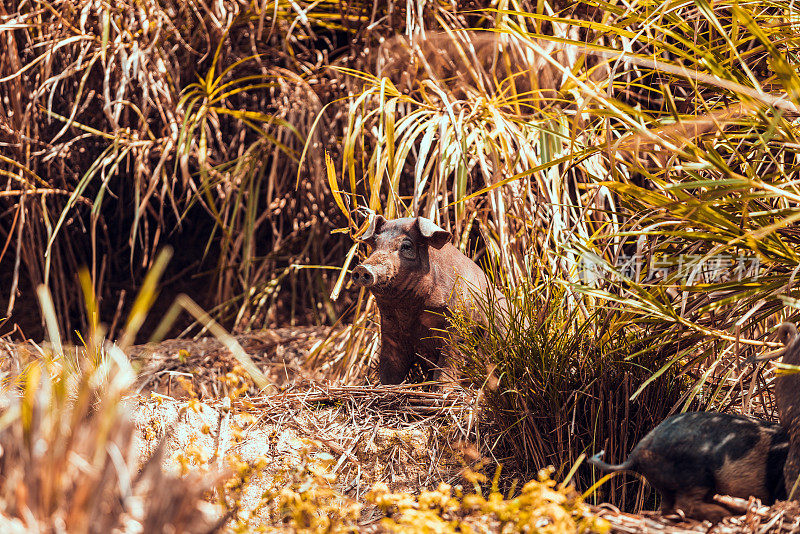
(400, 262)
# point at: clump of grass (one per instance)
(69, 457)
(70, 462)
(560, 380)
(144, 123)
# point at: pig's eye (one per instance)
(407, 250)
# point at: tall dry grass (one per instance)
(560, 144)
(128, 126)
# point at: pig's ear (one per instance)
(374, 228)
(436, 237)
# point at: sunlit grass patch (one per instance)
(560, 378)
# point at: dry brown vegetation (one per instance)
(560, 143)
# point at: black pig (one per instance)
(689, 457)
(417, 277)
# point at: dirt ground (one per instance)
(193, 398)
(402, 437)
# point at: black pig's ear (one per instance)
(373, 229)
(436, 237)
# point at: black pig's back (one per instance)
(723, 453)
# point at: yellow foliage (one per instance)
(540, 507)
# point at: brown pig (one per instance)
(417, 278)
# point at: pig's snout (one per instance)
(364, 276)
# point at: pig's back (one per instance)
(464, 281)
(725, 453)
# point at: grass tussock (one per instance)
(71, 456)
(556, 387)
(134, 125)
(70, 460)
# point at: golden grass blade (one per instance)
(340, 281)
(145, 298)
(334, 186)
(49, 317)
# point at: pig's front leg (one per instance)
(395, 359)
